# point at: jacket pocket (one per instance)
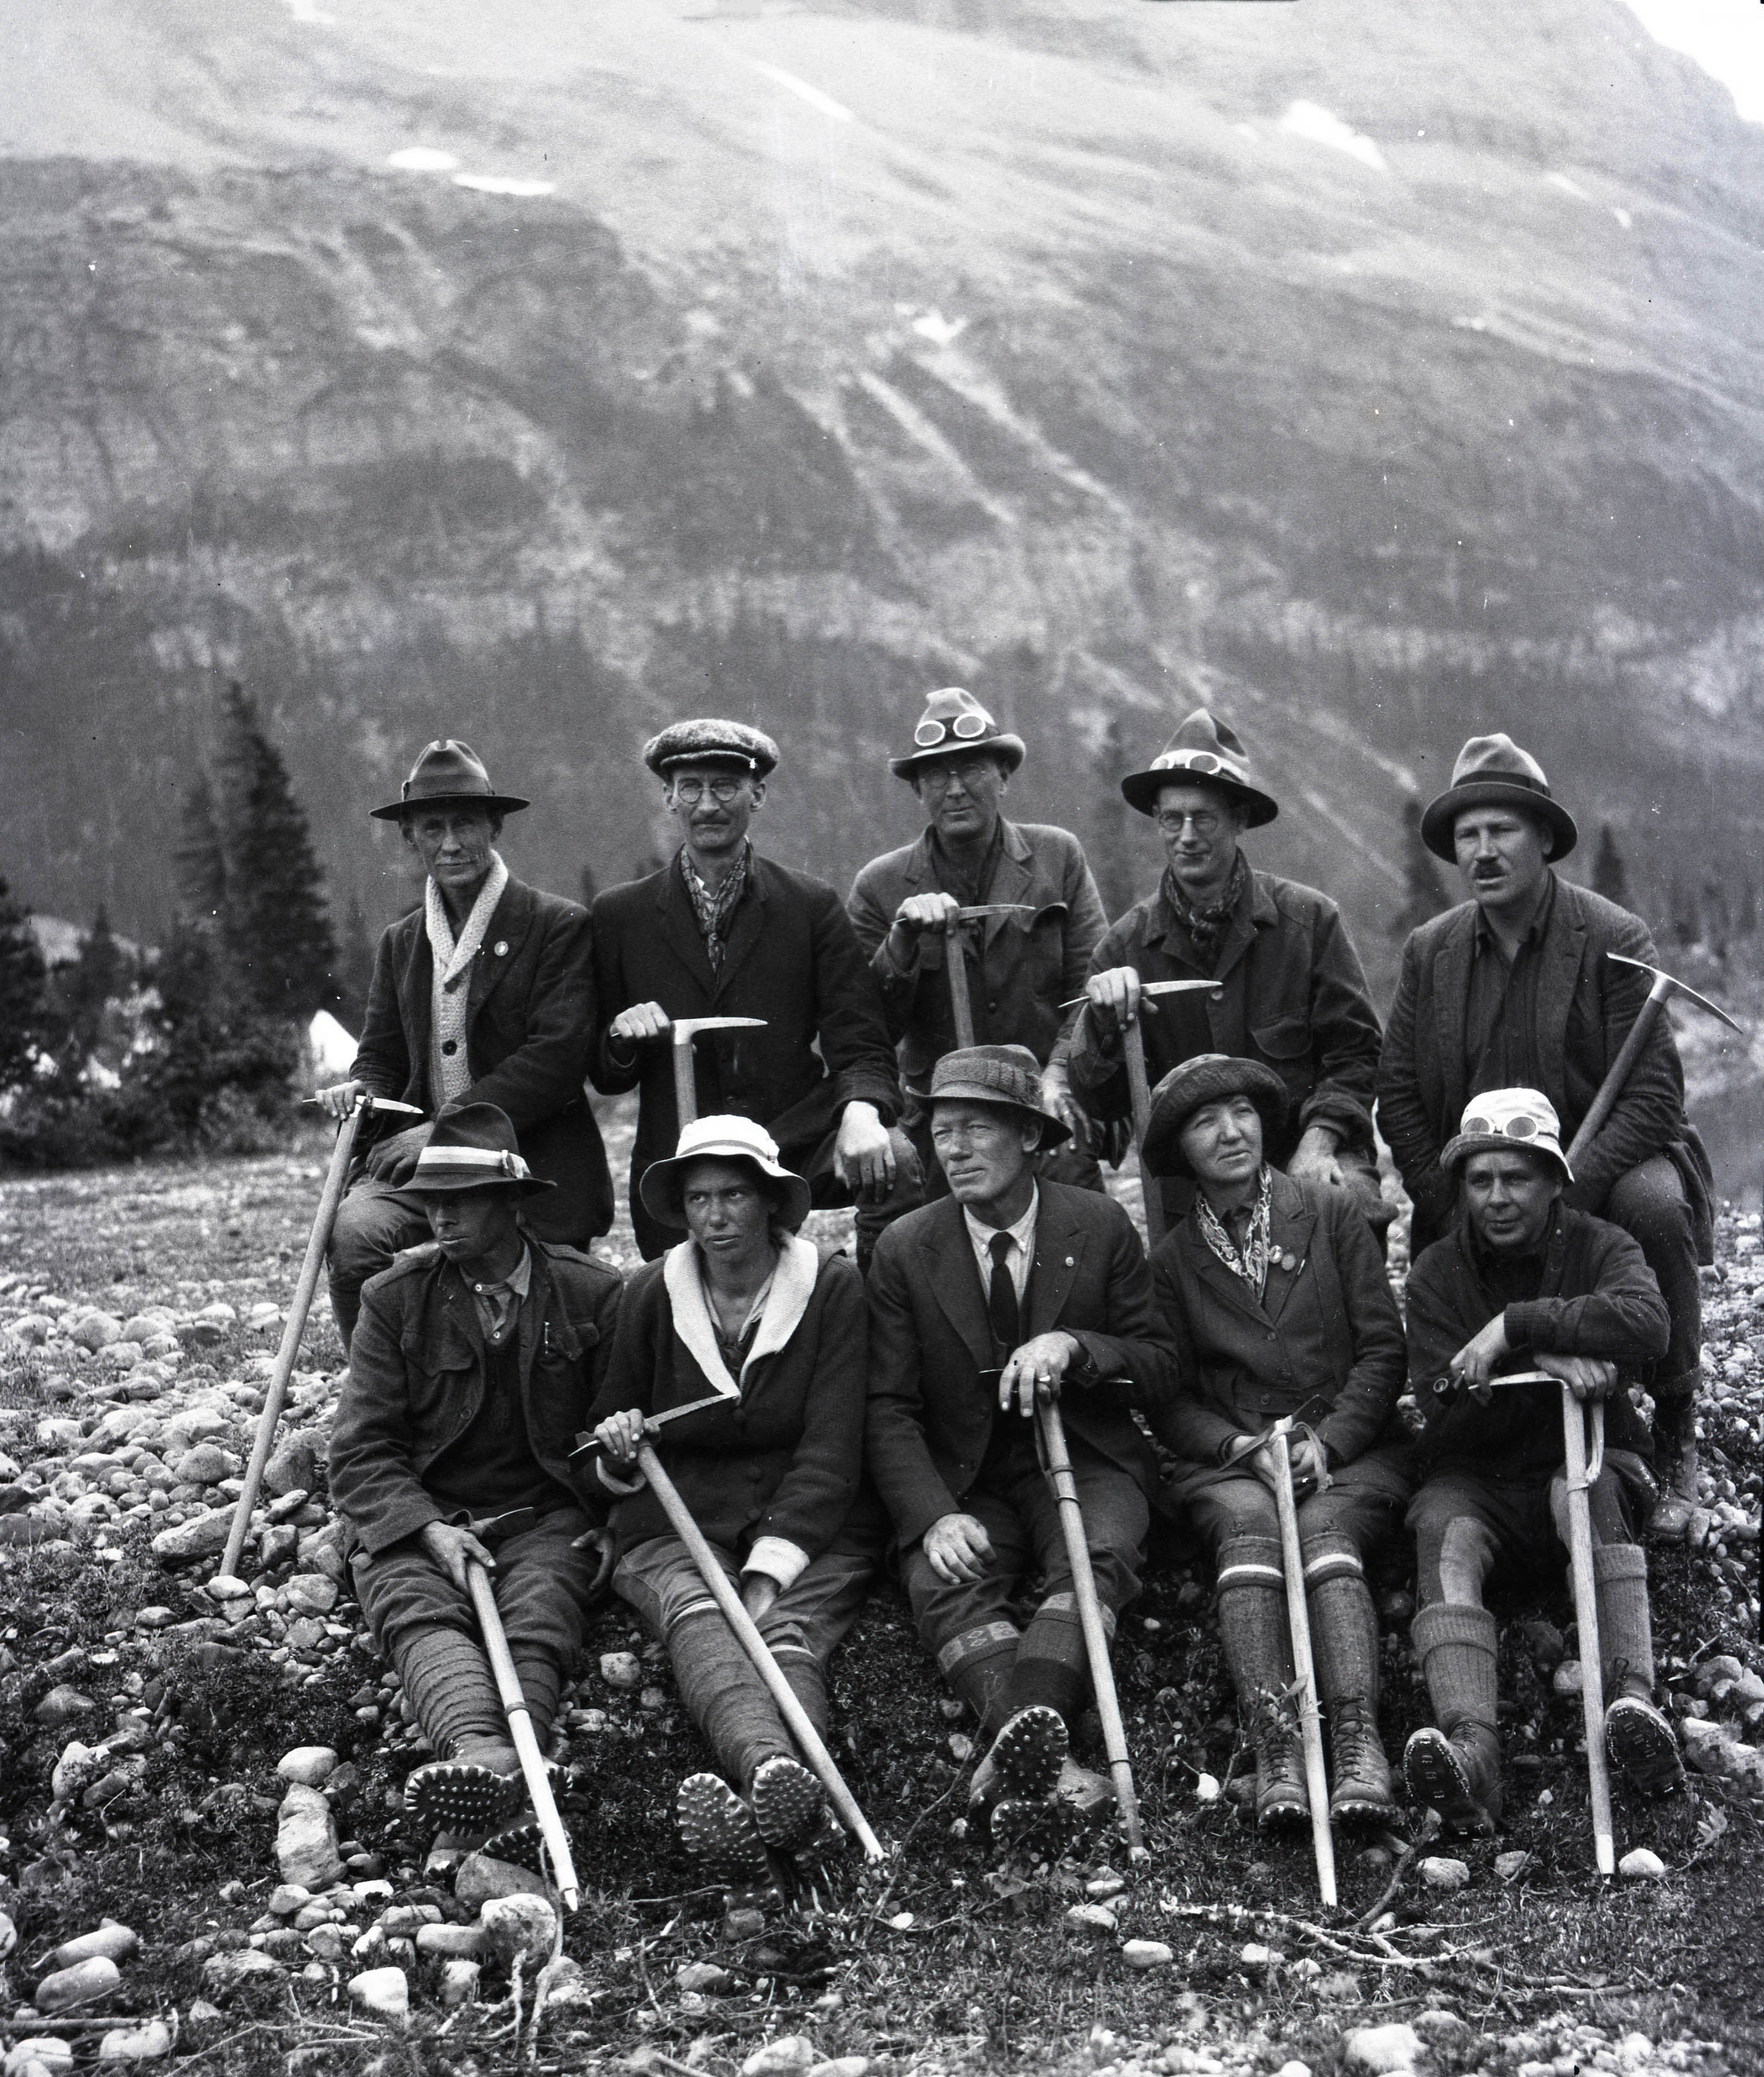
(1287, 1039)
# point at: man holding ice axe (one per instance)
(1525, 1282)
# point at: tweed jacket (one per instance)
(933, 1400)
(1586, 1006)
(791, 960)
(1020, 969)
(1324, 1341)
(1598, 1298)
(529, 1031)
(773, 1474)
(418, 1374)
(1295, 998)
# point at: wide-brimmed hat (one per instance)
(1206, 1078)
(1492, 771)
(1204, 751)
(1503, 1120)
(710, 741)
(1009, 1077)
(954, 724)
(447, 770)
(474, 1148)
(721, 1139)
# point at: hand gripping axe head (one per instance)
(1664, 989)
(683, 1030)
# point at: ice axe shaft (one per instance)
(681, 1031)
(294, 1330)
(1299, 1622)
(1664, 989)
(1586, 1609)
(961, 1008)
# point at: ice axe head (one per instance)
(683, 1029)
(1666, 986)
(993, 909)
(1215, 988)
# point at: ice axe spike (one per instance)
(682, 1030)
(1664, 989)
(961, 1009)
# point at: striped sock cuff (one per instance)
(987, 1641)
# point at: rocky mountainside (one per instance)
(1375, 373)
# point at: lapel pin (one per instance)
(502, 948)
(1289, 1262)
(1072, 1262)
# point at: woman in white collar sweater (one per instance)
(745, 1309)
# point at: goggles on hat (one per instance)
(1205, 761)
(965, 728)
(1515, 1128)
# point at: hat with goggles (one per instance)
(954, 724)
(1202, 751)
(1507, 1121)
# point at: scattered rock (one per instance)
(223, 1975)
(293, 1467)
(84, 1984)
(701, 1976)
(1439, 1872)
(97, 1330)
(136, 2044)
(1206, 1788)
(307, 1765)
(1510, 1867)
(228, 1587)
(42, 2051)
(200, 1536)
(113, 1942)
(842, 2066)
(481, 1877)
(1379, 2050)
(790, 2055)
(621, 1670)
(1091, 1918)
(9, 1935)
(745, 1923)
(523, 1926)
(1147, 1954)
(1568, 1679)
(207, 1465)
(311, 1594)
(1293, 2069)
(385, 1993)
(459, 1982)
(454, 1943)
(1641, 1864)
(62, 1705)
(306, 1840)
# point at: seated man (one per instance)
(1275, 1294)
(1006, 1287)
(475, 1360)
(1524, 1281)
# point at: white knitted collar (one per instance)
(452, 958)
(792, 1283)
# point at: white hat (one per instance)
(726, 1139)
(1499, 1120)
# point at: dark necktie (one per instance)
(1001, 1296)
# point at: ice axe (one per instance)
(1298, 1616)
(682, 1030)
(1664, 989)
(317, 1241)
(1580, 1475)
(961, 1009)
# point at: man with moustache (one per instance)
(1294, 996)
(1513, 989)
(483, 994)
(721, 931)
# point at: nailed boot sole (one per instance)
(521, 1845)
(1026, 1756)
(1642, 1747)
(1044, 1824)
(454, 1796)
(1438, 1780)
(718, 1828)
(788, 1803)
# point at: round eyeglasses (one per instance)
(965, 728)
(692, 791)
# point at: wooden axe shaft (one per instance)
(1586, 1609)
(1298, 1623)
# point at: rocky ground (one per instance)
(204, 1855)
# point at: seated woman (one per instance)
(1275, 1294)
(742, 1309)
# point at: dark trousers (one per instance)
(1648, 1202)
(1465, 1524)
(1222, 1503)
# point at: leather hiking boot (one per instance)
(718, 1828)
(1679, 1501)
(461, 1796)
(1362, 1794)
(1023, 1762)
(1642, 1746)
(1281, 1803)
(788, 1802)
(1458, 1776)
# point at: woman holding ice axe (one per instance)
(737, 1386)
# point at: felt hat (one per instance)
(447, 770)
(711, 742)
(1492, 771)
(1204, 750)
(954, 724)
(1206, 1078)
(473, 1147)
(1501, 1119)
(1007, 1076)
(722, 1138)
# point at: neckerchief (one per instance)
(1252, 1264)
(713, 906)
(1206, 927)
(450, 1071)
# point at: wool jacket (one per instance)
(1585, 1004)
(1598, 1298)
(773, 1473)
(793, 959)
(1020, 969)
(934, 1393)
(1295, 998)
(529, 1033)
(418, 1375)
(1324, 1342)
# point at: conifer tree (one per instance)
(25, 1021)
(97, 978)
(200, 863)
(1425, 894)
(1610, 876)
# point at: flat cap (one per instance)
(709, 741)
(1007, 1076)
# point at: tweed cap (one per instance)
(954, 724)
(711, 742)
(448, 770)
(1492, 771)
(1204, 751)
(1008, 1076)
(1206, 1078)
(474, 1148)
(1506, 1121)
(723, 1138)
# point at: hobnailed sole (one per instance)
(1027, 1754)
(1286, 1810)
(1437, 1780)
(718, 1828)
(1641, 1746)
(520, 1845)
(787, 1803)
(1045, 1825)
(457, 1796)
(1362, 1806)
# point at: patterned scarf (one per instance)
(450, 1073)
(1206, 927)
(713, 906)
(1252, 1264)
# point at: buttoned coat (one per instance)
(418, 1374)
(933, 1394)
(793, 958)
(1021, 968)
(1585, 1004)
(529, 1035)
(1325, 1340)
(1293, 996)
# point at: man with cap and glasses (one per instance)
(1010, 1286)
(1513, 988)
(483, 994)
(1294, 996)
(474, 1363)
(1022, 966)
(721, 932)
(1524, 1281)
